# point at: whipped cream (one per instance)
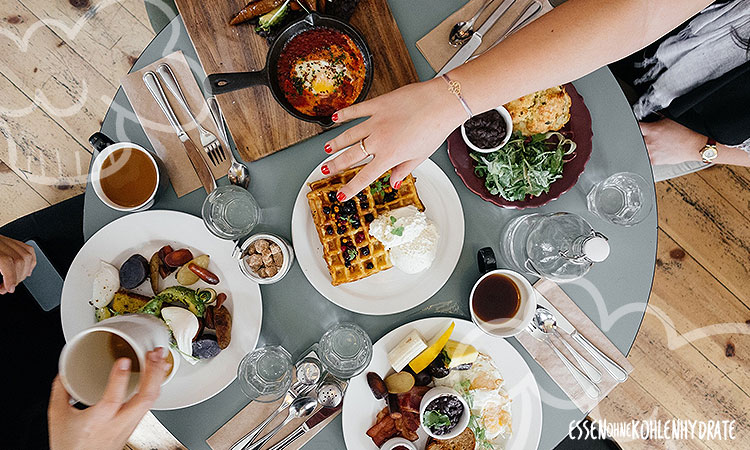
(410, 236)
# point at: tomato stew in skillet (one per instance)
(320, 71)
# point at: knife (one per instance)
(465, 52)
(311, 423)
(524, 18)
(200, 164)
(612, 368)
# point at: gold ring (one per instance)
(362, 146)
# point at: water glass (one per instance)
(265, 374)
(230, 212)
(621, 199)
(345, 350)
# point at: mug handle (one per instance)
(100, 141)
(486, 260)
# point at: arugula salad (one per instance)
(526, 165)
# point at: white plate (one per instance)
(360, 407)
(390, 291)
(145, 233)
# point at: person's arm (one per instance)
(407, 125)
(17, 260)
(668, 142)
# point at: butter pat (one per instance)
(406, 350)
(460, 353)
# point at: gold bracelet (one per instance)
(454, 87)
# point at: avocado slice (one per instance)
(181, 294)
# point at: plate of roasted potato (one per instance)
(166, 264)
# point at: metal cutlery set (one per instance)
(463, 34)
(545, 326)
(312, 388)
(213, 148)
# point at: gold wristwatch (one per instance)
(709, 152)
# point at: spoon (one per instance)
(300, 408)
(589, 388)
(238, 174)
(462, 31)
(549, 325)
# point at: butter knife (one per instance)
(309, 424)
(612, 368)
(522, 20)
(468, 49)
(200, 164)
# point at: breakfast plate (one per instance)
(390, 291)
(144, 233)
(361, 408)
(578, 129)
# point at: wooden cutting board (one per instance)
(259, 126)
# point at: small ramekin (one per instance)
(508, 127)
(390, 444)
(442, 391)
(287, 251)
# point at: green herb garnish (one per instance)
(351, 253)
(524, 166)
(435, 419)
(393, 220)
(398, 231)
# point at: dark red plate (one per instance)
(578, 129)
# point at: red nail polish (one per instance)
(340, 197)
(325, 170)
(335, 117)
(397, 185)
(328, 148)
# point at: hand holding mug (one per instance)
(109, 423)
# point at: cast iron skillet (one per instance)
(220, 83)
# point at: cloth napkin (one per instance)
(255, 413)
(552, 364)
(161, 135)
(435, 47)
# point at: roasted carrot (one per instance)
(254, 9)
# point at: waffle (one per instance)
(348, 249)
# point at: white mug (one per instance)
(86, 360)
(106, 147)
(514, 325)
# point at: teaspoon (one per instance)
(300, 408)
(462, 31)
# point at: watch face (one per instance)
(710, 153)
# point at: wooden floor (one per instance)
(60, 65)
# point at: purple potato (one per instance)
(206, 348)
(133, 272)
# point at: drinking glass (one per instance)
(621, 199)
(230, 212)
(266, 373)
(345, 350)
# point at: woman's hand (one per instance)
(17, 260)
(404, 128)
(108, 424)
(668, 142)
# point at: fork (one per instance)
(211, 145)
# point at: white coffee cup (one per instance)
(96, 176)
(514, 325)
(86, 360)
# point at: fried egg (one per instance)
(483, 388)
(320, 76)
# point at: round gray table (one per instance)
(624, 279)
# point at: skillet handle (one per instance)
(220, 83)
